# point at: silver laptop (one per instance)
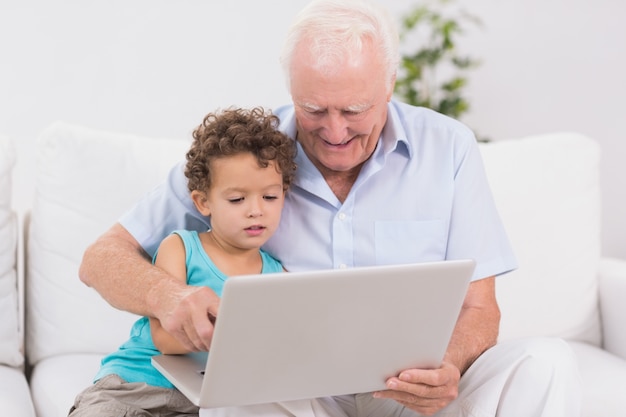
(297, 335)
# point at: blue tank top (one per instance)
(131, 361)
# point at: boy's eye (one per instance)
(270, 197)
(235, 200)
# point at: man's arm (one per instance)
(428, 391)
(478, 326)
(117, 267)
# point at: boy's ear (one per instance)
(201, 202)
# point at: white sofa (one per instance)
(546, 188)
(15, 397)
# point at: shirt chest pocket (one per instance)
(400, 242)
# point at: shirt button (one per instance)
(342, 216)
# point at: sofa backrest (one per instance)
(548, 194)
(86, 179)
(546, 189)
(10, 323)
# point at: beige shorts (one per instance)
(111, 396)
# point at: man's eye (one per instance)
(354, 114)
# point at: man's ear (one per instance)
(201, 202)
(392, 85)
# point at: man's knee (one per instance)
(541, 358)
(529, 377)
(548, 352)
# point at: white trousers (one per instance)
(534, 377)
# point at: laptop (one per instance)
(297, 335)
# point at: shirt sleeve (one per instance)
(476, 230)
(165, 208)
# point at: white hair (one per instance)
(336, 29)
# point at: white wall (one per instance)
(155, 67)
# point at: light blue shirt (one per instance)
(422, 196)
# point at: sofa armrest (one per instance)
(612, 289)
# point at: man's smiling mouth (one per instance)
(338, 144)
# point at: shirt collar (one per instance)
(394, 136)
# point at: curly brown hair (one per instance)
(234, 131)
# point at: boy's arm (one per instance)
(171, 259)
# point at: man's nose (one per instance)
(336, 128)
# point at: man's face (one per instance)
(340, 113)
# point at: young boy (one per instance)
(238, 169)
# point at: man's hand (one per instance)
(424, 391)
(189, 314)
(476, 330)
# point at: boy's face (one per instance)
(245, 201)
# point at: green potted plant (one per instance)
(433, 72)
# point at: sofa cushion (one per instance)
(603, 381)
(612, 289)
(10, 333)
(547, 191)
(56, 381)
(85, 180)
(14, 393)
